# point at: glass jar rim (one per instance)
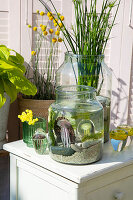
(65, 89)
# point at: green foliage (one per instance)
(91, 30)
(12, 79)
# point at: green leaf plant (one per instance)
(12, 79)
(88, 35)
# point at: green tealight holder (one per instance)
(29, 130)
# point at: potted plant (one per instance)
(41, 68)
(12, 81)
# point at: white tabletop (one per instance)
(110, 161)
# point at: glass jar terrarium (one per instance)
(29, 130)
(90, 71)
(76, 126)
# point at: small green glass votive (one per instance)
(29, 130)
(40, 142)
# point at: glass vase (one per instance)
(29, 130)
(90, 71)
(76, 126)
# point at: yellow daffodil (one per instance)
(45, 33)
(27, 110)
(57, 33)
(51, 18)
(58, 14)
(40, 25)
(34, 28)
(37, 11)
(51, 31)
(29, 26)
(60, 25)
(23, 113)
(55, 24)
(33, 53)
(41, 13)
(55, 21)
(62, 18)
(43, 27)
(28, 117)
(30, 122)
(60, 40)
(54, 40)
(49, 14)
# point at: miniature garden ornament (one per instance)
(121, 137)
(40, 141)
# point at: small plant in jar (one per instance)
(30, 125)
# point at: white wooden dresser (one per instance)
(38, 177)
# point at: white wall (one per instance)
(120, 62)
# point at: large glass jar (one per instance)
(91, 71)
(76, 126)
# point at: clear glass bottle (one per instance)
(76, 125)
(91, 71)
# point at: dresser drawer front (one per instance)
(120, 190)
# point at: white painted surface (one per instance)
(26, 33)
(111, 161)
(4, 22)
(34, 176)
(14, 25)
(10, 24)
(120, 190)
(4, 5)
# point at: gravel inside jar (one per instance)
(85, 156)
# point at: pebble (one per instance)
(76, 147)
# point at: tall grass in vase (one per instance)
(88, 36)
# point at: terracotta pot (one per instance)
(39, 108)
